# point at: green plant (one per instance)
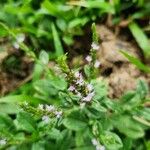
(67, 110)
(47, 23)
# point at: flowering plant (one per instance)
(73, 112)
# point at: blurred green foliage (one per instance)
(49, 24)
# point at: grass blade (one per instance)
(141, 38)
(136, 62)
(57, 43)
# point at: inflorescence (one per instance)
(79, 87)
(45, 111)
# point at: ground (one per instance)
(120, 74)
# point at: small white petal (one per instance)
(89, 97)
(97, 64)
(90, 87)
(102, 147)
(99, 147)
(50, 108)
(58, 114)
(16, 45)
(20, 37)
(45, 119)
(71, 88)
(95, 142)
(95, 46)
(88, 58)
(80, 82)
(77, 74)
(3, 142)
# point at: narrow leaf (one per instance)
(136, 62)
(141, 38)
(57, 42)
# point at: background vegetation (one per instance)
(40, 33)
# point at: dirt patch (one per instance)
(15, 68)
(120, 74)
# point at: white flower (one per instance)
(41, 106)
(80, 81)
(100, 147)
(79, 77)
(95, 46)
(3, 142)
(45, 119)
(16, 45)
(89, 97)
(20, 37)
(82, 105)
(50, 107)
(97, 64)
(58, 114)
(90, 87)
(88, 58)
(77, 74)
(95, 142)
(71, 88)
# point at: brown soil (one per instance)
(13, 76)
(120, 74)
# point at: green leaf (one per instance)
(19, 98)
(143, 116)
(45, 88)
(141, 38)
(57, 42)
(74, 124)
(144, 113)
(87, 71)
(136, 62)
(51, 8)
(75, 121)
(111, 140)
(126, 125)
(78, 22)
(37, 72)
(25, 122)
(38, 146)
(79, 139)
(142, 89)
(99, 86)
(6, 122)
(127, 144)
(103, 6)
(3, 31)
(9, 108)
(58, 82)
(65, 144)
(148, 145)
(55, 134)
(84, 148)
(44, 58)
